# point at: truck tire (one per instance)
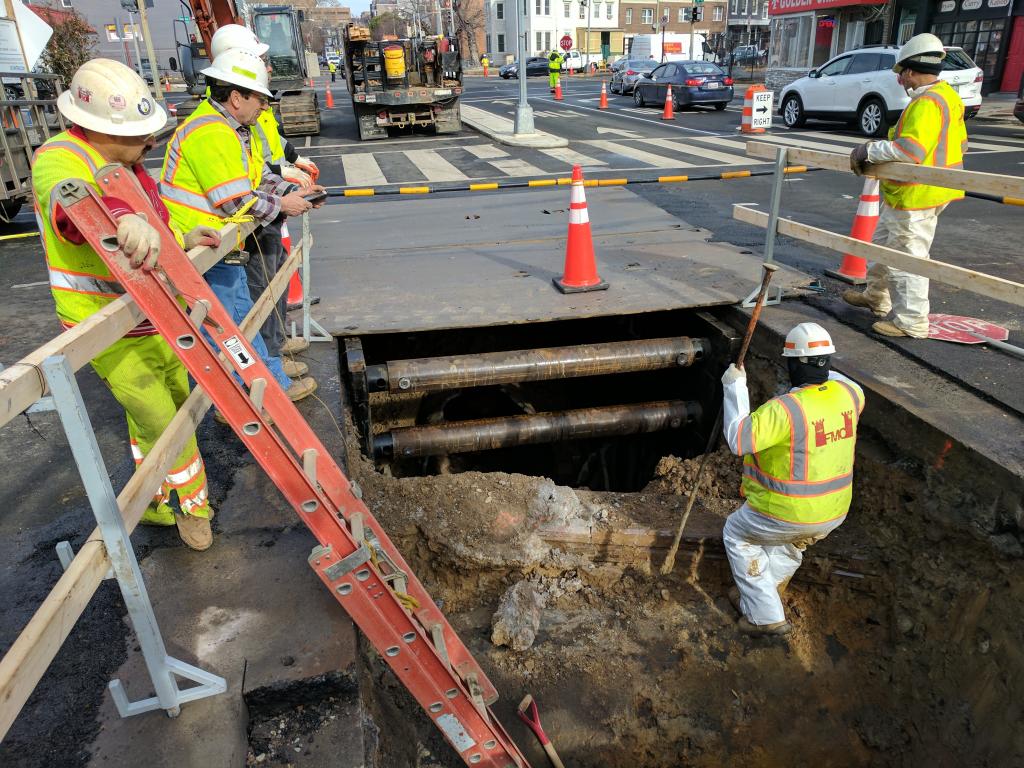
(9, 209)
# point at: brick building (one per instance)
(645, 18)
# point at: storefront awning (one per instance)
(779, 7)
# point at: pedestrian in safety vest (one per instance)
(114, 119)
(333, 69)
(797, 454)
(209, 177)
(265, 246)
(554, 69)
(930, 132)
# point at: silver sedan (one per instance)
(626, 72)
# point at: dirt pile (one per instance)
(720, 491)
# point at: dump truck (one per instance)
(402, 83)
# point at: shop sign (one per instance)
(998, 3)
(948, 6)
(778, 7)
(970, 5)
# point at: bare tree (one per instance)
(328, 3)
(70, 46)
(469, 20)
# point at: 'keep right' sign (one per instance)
(762, 108)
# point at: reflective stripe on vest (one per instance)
(930, 132)
(804, 472)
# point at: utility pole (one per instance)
(135, 44)
(134, 6)
(524, 112)
(590, 15)
(439, 25)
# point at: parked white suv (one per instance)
(859, 86)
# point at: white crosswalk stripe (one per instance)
(433, 166)
(572, 157)
(979, 141)
(628, 150)
(512, 167)
(485, 151)
(361, 170)
(693, 148)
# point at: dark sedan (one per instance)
(535, 65)
(693, 82)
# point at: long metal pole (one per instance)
(773, 213)
(524, 112)
(590, 15)
(149, 50)
(135, 44)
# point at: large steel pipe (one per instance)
(510, 431)
(432, 374)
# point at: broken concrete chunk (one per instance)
(555, 504)
(517, 619)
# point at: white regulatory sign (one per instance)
(762, 108)
(236, 349)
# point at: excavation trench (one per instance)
(906, 649)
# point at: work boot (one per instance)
(887, 328)
(734, 598)
(194, 531)
(294, 368)
(294, 345)
(301, 389)
(161, 516)
(777, 629)
(861, 299)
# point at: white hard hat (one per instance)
(924, 49)
(808, 340)
(241, 68)
(107, 97)
(236, 36)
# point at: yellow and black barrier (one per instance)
(554, 182)
(995, 199)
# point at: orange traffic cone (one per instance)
(604, 96)
(295, 284)
(330, 98)
(580, 266)
(558, 89)
(854, 269)
(167, 85)
(668, 114)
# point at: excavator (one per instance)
(297, 108)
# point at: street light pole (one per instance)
(590, 15)
(524, 112)
(144, 21)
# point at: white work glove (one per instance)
(297, 176)
(201, 236)
(139, 241)
(732, 375)
(307, 166)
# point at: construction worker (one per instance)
(265, 245)
(114, 119)
(209, 177)
(332, 68)
(555, 60)
(930, 132)
(797, 454)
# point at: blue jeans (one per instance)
(229, 284)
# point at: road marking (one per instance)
(658, 161)
(513, 167)
(309, 139)
(643, 120)
(433, 166)
(361, 170)
(30, 285)
(485, 151)
(699, 151)
(788, 140)
(619, 131)
(572, 157)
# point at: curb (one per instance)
(500, 129)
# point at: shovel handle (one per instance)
(766, 278)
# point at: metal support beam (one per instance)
(510, 431)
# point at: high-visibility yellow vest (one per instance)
(930, 131)
(80, 281)
(267, 146)
(798, 453)
(206, 164)
(555, 64)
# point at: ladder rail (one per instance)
(455, 695)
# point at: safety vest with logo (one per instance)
(930, 131)
(205, 166)
(267, 146)
(798, 453)
(80, 281)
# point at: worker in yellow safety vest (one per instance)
(555, 60)
(265, 246)
(930, 132)
(333, 69)
(113, 120)
(797, 452)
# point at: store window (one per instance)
(791, 41)
(982, 39)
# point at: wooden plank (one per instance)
(30, 655)
(996, 184)
(22, 383)
(950, 274)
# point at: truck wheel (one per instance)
(9, 209)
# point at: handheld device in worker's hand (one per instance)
(316, 197)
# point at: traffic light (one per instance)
(698, 14)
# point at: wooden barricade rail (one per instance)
(22, 384)
(949, 274)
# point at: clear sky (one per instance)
(357, 6)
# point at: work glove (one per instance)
(139, 241)
(859, 159)
(306, 165)
(732, 375)
(297, 176)
(201, 236)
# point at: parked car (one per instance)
(693, 82)
(626, 73)
(747, 54)
(535, 65)
(859, 87)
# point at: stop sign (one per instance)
(565, 43)
(959, 329)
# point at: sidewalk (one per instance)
(998, 108)
(501, 129)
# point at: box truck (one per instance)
(675, 46)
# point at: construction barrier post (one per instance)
(746, 122)
(854, 269)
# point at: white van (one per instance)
(677, 47)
